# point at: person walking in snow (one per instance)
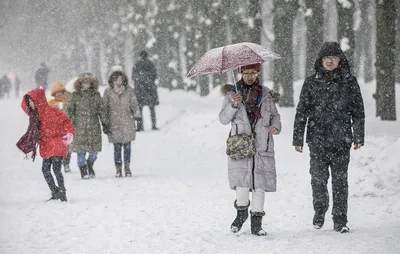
(144, 75)
(250, 109)
(86, 111)
(41, 76)
(60, 102)
(332, 109)
(53, 131)
(121, 109)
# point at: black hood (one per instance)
(332, 48)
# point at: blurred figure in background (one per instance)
(144, 75)
(41, 76)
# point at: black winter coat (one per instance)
(144, 75)
(331, 106)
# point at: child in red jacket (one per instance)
(52, 130)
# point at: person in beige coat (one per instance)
(250, 109)
(121, 109)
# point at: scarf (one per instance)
(31, 139)
(251, 97)
(119, 90)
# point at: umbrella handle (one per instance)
(234, 80)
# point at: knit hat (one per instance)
(256, 66)
(56, 87)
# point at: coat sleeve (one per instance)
(302, 114)
(101, 111)
(357, 114)
(227, 112)
(106, 107)
(134, 105)
(275, 118)
(71, 108)
(67, 123)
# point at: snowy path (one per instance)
(178, 200)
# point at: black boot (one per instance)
(63, 195)
(84, 173)
(341, 227)
(241, 217)
(256, 221)
(90, 169)
(318, 220)
(119, 170)
(127, 170)
(54, 195)
(139, 124)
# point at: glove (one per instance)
(67, 139)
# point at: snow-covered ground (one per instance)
(179, 201)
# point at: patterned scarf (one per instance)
(251, 98)
(30, 140)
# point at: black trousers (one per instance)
(118, 153)
(56, 162)
(152, 115)
(67, 160)
(337, 159)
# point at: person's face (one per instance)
(249, 76)
(118, 82)
(85, 85)
(31, 104)
(330, 62)
(59, 94)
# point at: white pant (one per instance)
(258, 198)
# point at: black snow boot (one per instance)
(119, 170)
(90, 169)
(318, 220)
(241, 217)
(341, 227)
(127, 170)
(54, 195)
(256, 221)
(63, 195)
(84, 172)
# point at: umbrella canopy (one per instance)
(229, 57)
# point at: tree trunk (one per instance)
(256, 25)
(385, 59)
(284, 15)
(346, 36)
(315, 33)
(398, 42)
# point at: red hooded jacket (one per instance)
(54, 125)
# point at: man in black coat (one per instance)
(331, 106)
(41, 76)
(144, 75)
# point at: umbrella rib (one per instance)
(254, 52)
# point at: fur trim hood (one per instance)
(94, 83)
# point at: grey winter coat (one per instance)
(120, 115)
(259, 171)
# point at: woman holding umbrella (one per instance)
(250, 109)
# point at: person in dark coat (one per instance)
(144, 75)
(41, 76)
(5, 86)
(332, 108)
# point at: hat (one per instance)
(256, 66)
(144, 54)
(58, 86)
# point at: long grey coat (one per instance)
(241, 173)
(120, 115)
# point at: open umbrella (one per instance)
(229, 57)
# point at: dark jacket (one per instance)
(41, 76)
(144, 75)
(330, 105)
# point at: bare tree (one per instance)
(284, 15)
(346, 36)
(385, 60)
(315, 33)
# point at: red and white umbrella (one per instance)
(229, 57)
